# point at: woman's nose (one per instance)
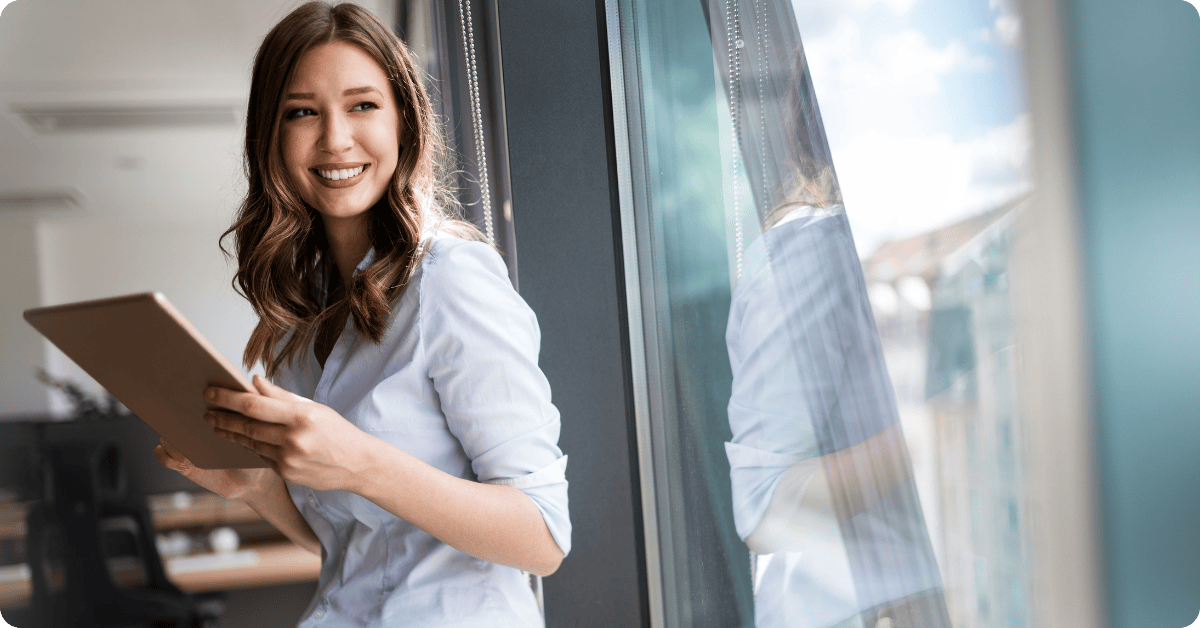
(336, 135)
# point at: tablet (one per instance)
(151, 359)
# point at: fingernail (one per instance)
(210, 394)
(209, 416)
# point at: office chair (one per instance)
(85, 529)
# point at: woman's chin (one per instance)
(343, 212)
(345, 206)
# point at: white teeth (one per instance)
(338, 175)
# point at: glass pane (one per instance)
(832, 429)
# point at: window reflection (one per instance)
(869, 436)
(823, 489)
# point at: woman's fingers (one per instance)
(252, 405)
(171, 458)
(165, 458)
(267, 389)
(272, 433)
(266, 450)
(175, 453)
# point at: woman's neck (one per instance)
(349, 242)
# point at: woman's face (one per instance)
(339, 131)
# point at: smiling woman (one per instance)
(409, 431)
(339, 149)
(300, 120)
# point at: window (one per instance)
(828, 422)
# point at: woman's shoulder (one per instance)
(454, 263)
(463, 283)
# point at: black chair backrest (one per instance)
(85, 527)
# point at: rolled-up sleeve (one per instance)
(481, 342)
(768, 415)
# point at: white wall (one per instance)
(20, 346)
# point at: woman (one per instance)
(409, 433)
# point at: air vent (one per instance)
(39, 199)
(76, 118)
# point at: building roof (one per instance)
(921, 255)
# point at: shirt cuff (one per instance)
(754, 475)
(547, 487)
(552, 473)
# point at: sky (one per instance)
(923, 104)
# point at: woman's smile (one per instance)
(337, 176)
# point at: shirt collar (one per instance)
(366, 261)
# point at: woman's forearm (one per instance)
(865, 473)
(272, 501)
(499, 524)
(838, 485)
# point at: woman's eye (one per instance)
(364, 106)
(299, 113)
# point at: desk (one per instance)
(263, 563)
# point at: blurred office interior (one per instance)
(988, 206)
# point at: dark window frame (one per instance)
(566, 208)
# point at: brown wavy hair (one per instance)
(808, 178)
(284, 269)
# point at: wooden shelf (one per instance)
(203, 509)
(258, 566)
(12, 520)
(278, 563)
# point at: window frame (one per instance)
(563, 165)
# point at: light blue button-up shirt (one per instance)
(455, 382)
(809, 379)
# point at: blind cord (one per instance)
(734, 45)
(485, 194)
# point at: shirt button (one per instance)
(319, 613)
(312, 500)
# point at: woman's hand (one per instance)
(305, 442)
(228, 483)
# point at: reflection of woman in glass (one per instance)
(822, 485)
(409, 432)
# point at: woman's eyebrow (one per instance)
(353, 91)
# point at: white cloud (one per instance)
(817, 17)
(1006, 27)
(900, 62)
(898, 7)
(898, 184)
(907, 57)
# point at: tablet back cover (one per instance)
(151, 359)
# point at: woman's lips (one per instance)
(337, 176)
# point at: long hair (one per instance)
(284, 269)
(808, 178)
